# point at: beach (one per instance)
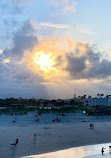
(72, 131)
(89, 151)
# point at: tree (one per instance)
(102, 95)
(98, 95)
(107, 96)
(79, 97)
(84, 96)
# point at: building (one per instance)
(102, 102)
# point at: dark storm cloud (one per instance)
(84, 63)
(21, 72)
(23, 39)
(4, 73)
(17, 80)
(76, 64)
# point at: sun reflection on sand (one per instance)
(90, 151)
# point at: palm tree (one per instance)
(84, 96)
(102, 95)
(79, 97)
(107, 96)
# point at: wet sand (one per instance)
(90, 151)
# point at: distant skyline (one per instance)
(54, 48)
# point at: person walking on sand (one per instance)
(102, 150)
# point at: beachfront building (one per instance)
(102, 102)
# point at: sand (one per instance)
(89, 151)
(72, 131)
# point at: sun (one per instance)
(44, 61)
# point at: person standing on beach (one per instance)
(91, 125)
(102, 150)
(34, 136)
(16, 141)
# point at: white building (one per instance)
(97, 102)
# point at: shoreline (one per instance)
(89, 151)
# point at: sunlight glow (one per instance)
(44, 61)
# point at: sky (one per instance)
(54, 48)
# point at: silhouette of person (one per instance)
(16, 141)
(102, 150)
(91, 125)
(35, 136)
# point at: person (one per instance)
(91, 125)
(14, 121)
(102, 150)
(35, 136)
(36, 117)
(16, 142)
(39, 113)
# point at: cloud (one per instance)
(10, 7)
(17, 80)
(85, 63)
(23, 39)
(57, 26)
(21, 80)
(6, 61)
(64, 6)
(21, 3)
(48, 25)
(52, 47)
(11, 18)
(83, 29)
(74, 61)
(1, 51)
(23, 73)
